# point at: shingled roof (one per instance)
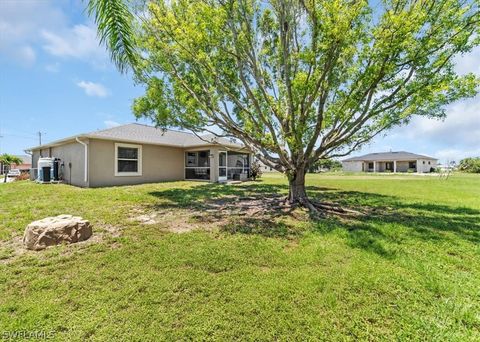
(386, 156)
(144, 134)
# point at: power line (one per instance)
(18, 136)
(25, 132)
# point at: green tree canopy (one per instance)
(471, 165)
(7, 160)
(297, 80)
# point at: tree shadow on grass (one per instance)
(257, 208)
(199, 196)
(393, 221)
(248, 208)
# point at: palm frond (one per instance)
(114, 22)
(9, 159)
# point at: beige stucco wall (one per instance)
(35, 157)
(214, 162)
(159, 163)
(45, 152)
(70, 154)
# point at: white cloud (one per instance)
(111, 123)
(78, 42)
(461, 126)
(43, 24)
(93, 89)
(20, 22)
(468, 62)
(451, 154)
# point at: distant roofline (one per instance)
(93, 135)
(139, 124)
(367, 157)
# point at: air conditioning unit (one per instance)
(45, 170)
(48, 170)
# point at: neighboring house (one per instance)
(265, 168)
(135, 154)
(390, 162)
(446, 167)
(25, 166)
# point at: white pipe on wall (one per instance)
(86, 157)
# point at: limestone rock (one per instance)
(56, 230)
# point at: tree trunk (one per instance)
(297, 193)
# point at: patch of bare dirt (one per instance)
(11, 249)
(250, 206)
(231, 213)
(174, 220)
(268, 215)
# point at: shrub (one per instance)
(471, 165)
(255, 170)
(23, 176)
(325, 165)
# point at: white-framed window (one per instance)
(128, 159)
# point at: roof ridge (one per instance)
(378, 154)
(140, 132)
(167, 129)
(133, 123)
(103, 130)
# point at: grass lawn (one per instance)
(185, 260)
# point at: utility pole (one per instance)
(40, 138)
(40, 141)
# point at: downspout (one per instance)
(86, 158)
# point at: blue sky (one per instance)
(54, 78)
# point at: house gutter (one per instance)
(85, 145)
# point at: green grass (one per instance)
(407, 270)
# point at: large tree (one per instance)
(295, 80)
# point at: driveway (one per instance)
(9, 179)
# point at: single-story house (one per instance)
(265, 168)
(390, 162)
(136, 153)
